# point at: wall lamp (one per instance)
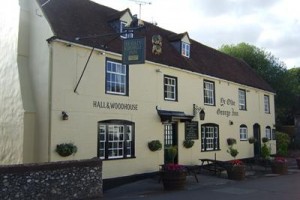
(65, 116)
(199, 110)
(230, 122)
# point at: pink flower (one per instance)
(173, 167)
(280, 159)
(236, 162)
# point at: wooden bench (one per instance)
(212, 165)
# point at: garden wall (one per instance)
(57, 180)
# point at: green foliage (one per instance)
(282, 143)
(231, 141)
(252, 140)
(154, 145)
(171, 152)
(233, 152)
(265, 139)
(265, 151)
(188, 143)
(66, 149)
(285, 82)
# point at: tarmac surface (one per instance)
(259, 183)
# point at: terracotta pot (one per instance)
(173, 180)
(298, 162)
(279, 168)
(236, 172)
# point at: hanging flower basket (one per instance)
(66, 149)
(188, 143)
(154, 145)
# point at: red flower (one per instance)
(173, 167)
(280, 159)
(236, 162)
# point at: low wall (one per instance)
(56, 180)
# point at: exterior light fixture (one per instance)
(199, 110)
(65, 116)
(230, 122)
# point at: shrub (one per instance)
(282, 143)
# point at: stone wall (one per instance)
(58, 180)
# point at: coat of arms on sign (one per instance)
(157, 44)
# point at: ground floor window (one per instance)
(243, 132)
(209, 137)
(115, 139)
(268, 133)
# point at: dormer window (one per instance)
(127, 33)
(185, 49)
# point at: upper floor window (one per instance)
(170, 88)
(116, 78)
(115, 139)
(269, 133)
(185, 49)
(126, 33)
(267, 103)
(243, 132)
(242, 99)
(209, 137)
(209, 93)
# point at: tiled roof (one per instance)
(70, 19)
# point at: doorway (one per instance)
(170, 143)
(257, 144)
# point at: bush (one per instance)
(233, 152)
(282, 143)
(265, 151)
(231, 141)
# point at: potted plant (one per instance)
(173, 176)
(235, 168)
(188, 143)
(154, 145)
(231, 141)
(298, 162)
(279, 165)
(66, 149)
(252, 140)
(265, 140)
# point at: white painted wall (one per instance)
(11, 109)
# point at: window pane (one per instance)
(209, 98)
(116, 78)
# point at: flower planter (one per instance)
(236, 172)
(298, 162)
(279, 168)
(173, 180)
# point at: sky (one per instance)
(271, 25)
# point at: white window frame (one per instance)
(267, 104)
(242, 99)
(185, 49)
(209, 93)
(116, 78)
(209, 137)
(243, 132)
(115, 140)
(126, 33)
(170, 88)
(268, 132)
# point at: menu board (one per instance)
(191, 130)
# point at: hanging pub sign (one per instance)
(133, 51)
(191, 130)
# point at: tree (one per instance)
(284, 82)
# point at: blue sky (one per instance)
(272, 25)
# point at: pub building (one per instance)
(110, 83)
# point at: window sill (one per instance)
(111, 159)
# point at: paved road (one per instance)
(285, 187)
